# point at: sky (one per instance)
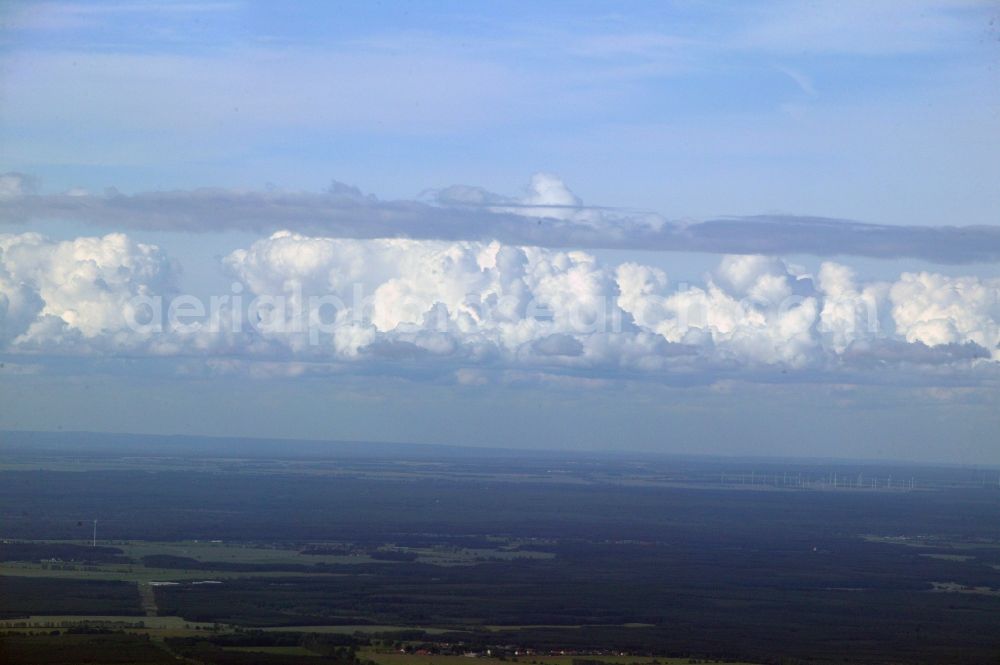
(754, 228)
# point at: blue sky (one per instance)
(661, 135)
(874, 111)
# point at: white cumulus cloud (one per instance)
(465, 306)
(80, 287)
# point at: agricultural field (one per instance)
(389, 658)
(132, 623)
(137, 561)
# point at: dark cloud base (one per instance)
(346, 212)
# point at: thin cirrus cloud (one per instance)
(548, 215)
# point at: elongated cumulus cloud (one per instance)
(548, 214)
(468, 305)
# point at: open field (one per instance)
(70, 620)
(388, 658)
(136, 573)
(951, 587)
(274, 651)
(351, 629)
(957, 558)
(283, 554)
(232, 553)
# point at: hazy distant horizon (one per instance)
(162, 443)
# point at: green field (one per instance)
(124, 622)
(240, 553)
(394, 658)
(357, 628)
(277, 651)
